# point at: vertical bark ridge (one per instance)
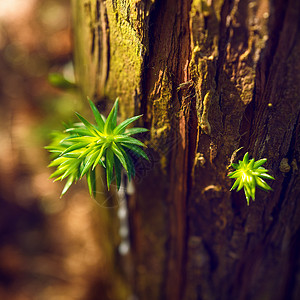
(166, 68)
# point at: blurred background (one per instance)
(49, 247)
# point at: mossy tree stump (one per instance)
(209, 77)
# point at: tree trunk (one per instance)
(209, 77)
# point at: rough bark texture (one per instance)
(209, 77)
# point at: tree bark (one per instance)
(209, 77)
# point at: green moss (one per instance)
(126, 54)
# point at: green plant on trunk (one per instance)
(82, 146)
(248, 175)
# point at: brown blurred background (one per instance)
(49, 248)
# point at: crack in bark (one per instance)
(103, 45)
(165, 59)
(223, 40)
(288, 182)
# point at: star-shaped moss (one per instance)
(83, 146)
(248, 175)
